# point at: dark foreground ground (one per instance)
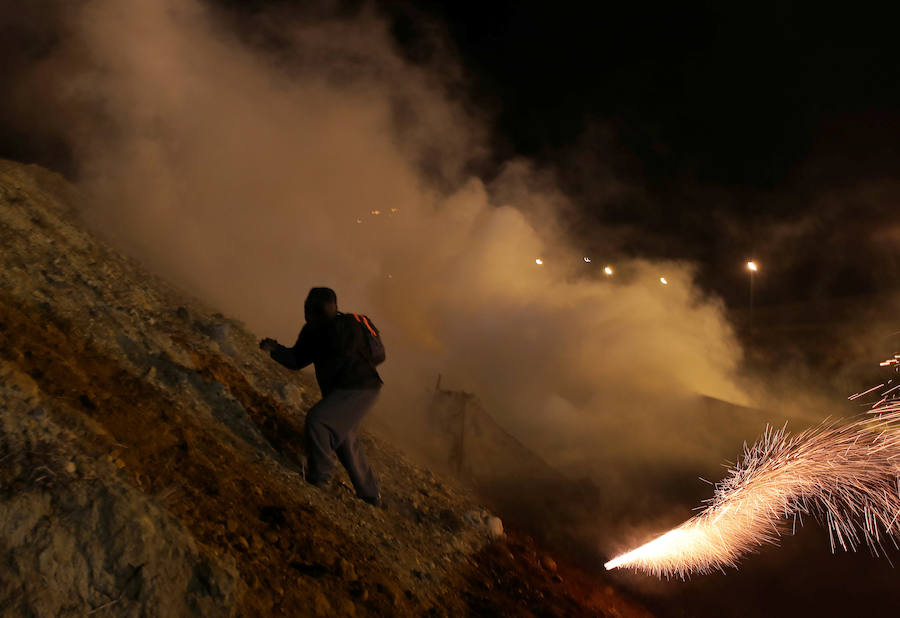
(149, 463)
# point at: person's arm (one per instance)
(296, 357)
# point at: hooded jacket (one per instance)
(338, 350)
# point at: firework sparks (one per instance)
(844, 475)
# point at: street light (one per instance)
(608, 271)
(753, 268)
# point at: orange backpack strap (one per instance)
(368, 325)
(364, 320)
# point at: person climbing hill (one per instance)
(345, 349)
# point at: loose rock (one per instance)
(321, 606)
(346, 570)
(218, 331)
(549, 564)
(291, 394)
(494, 527)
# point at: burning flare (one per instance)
(844, 475)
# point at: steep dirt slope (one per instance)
(149, 462)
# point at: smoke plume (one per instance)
(249, 169)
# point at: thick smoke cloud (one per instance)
(248, 173)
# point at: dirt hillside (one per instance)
(149, 463)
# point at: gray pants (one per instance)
(331, 425)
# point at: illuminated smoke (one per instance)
(246, 174)
(844, 475)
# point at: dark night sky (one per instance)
(726, 94)
(722, 124)
(730, 120)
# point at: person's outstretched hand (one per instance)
(268, 344)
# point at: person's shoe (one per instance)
(373, 500)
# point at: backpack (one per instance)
(374, 347)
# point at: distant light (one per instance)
(608, 271)
(376, 212)
(390, 276)
(359, 220)
(663, 281)
(751, 266)
(395, 210)
(587, 260)
(539, 261)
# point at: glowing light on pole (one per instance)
(752, 268)
(539, 261)
(608, 271)
(664, 281)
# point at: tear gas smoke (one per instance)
(844, 475)
(250, 173)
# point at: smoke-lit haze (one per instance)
(248, 176)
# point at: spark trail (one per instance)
(842, 474)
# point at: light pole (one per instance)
(752, 267)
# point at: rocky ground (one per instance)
(150, 463)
